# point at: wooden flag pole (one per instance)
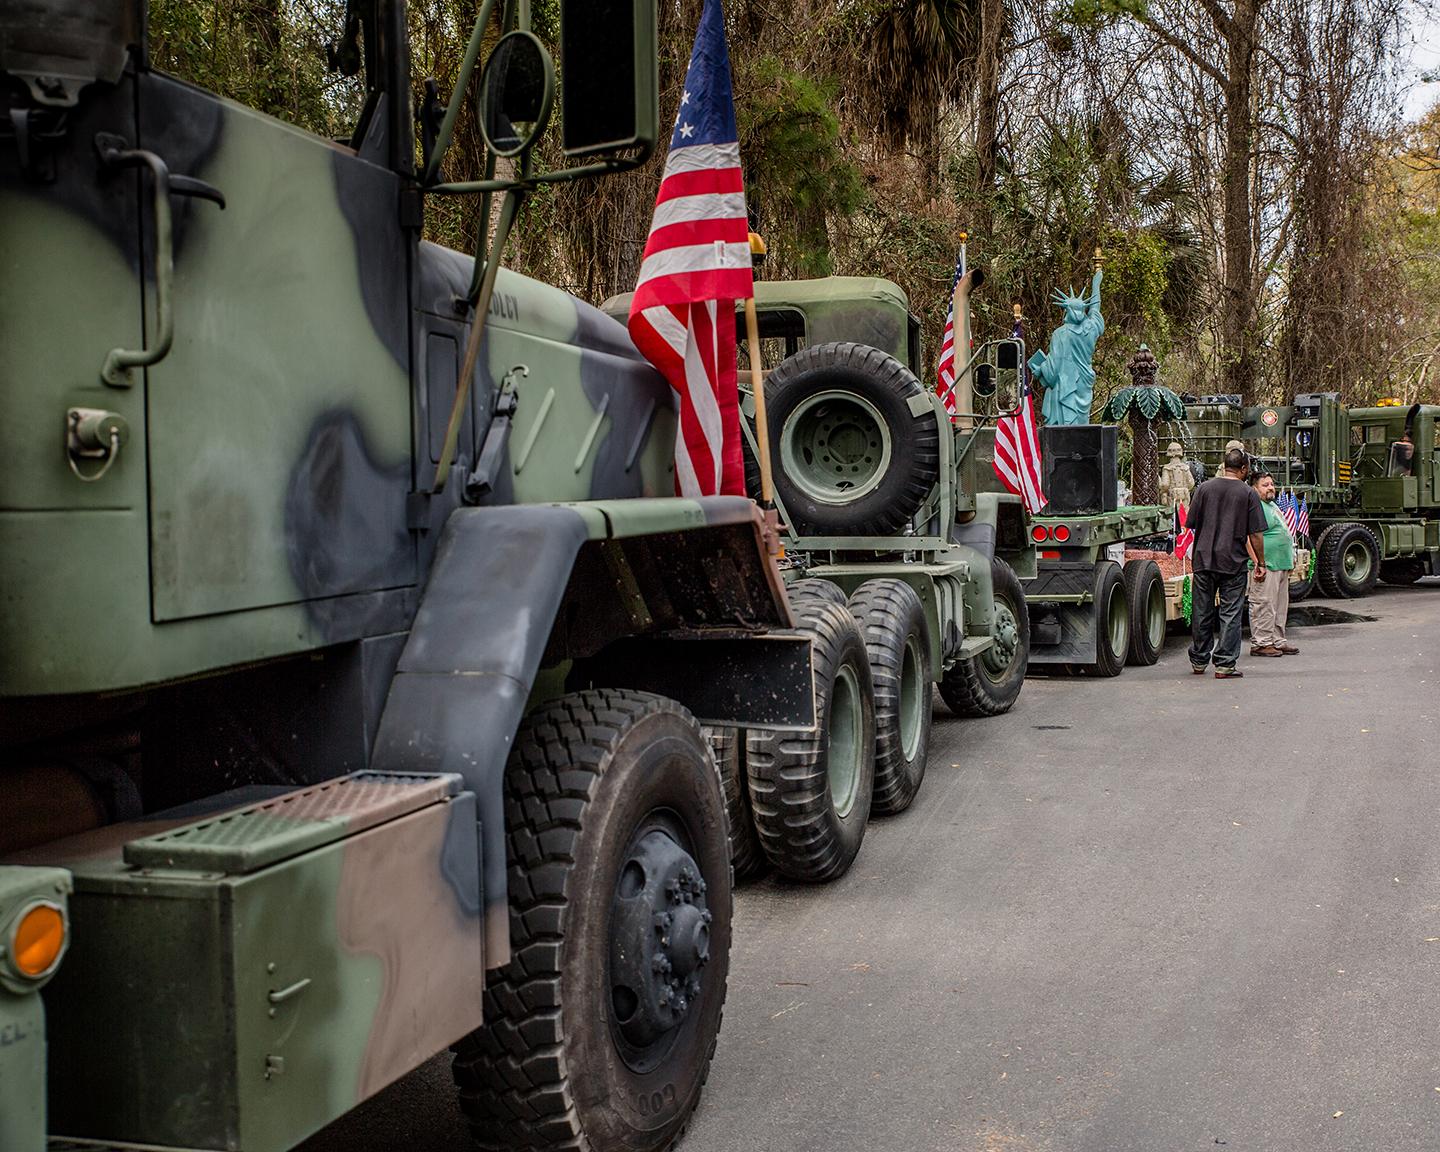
(757, 381)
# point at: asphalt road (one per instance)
(1151, 913)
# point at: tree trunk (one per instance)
(1144, 460)
(1238, 288)
(987, 106)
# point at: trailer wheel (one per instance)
(1145, 593)
(988, 684)
(854, 443)
(728, 747)
(1404, 571)
(600, 1030)
(816, 589)
(1112, 620)
(810, 792)
(897, 640)
(1349, 561)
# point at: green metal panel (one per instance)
(271, 333)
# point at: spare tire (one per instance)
(854, 442)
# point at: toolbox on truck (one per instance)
(241, 980)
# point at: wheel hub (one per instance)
(997, 657)
(659, 942)
(834, 447)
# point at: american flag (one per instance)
(945, 375)
(696, 265)
(1285, 502)
(1017, 444)
(1302, 517)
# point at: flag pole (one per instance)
(757, 380)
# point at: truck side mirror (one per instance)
(609, 62)
(984, 380)
(516, 92)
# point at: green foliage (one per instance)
(796, 173)
(268, 54)
(1091, 14)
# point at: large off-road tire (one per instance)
(1112, 620)
(1406, 570)
(816, 589)
(1349, 561)
(600, 1030)
(1145, 594)
(988, 684)
(897, 640)
(810, 791)
(854, 443)
(746, 858)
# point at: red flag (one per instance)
(1017, 446)
(1184, 538)
(696, 265)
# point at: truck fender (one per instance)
(460, 688)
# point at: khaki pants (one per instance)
(1269, 605)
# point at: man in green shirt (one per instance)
(1270, 581)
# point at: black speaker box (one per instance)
(1081, 471)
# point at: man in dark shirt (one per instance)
(1224, 512)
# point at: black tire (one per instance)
(1112, 620)
(810, 791)
(1349, 561)
(602, 790)
(1145, 594)
(981, 687)
(752, 468)
(859, 389)
(815, 589)
(747, 860)
(897, 640)
(1406, 570)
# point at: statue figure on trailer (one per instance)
(1176, 479)
(1065, 370)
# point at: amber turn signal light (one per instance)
(39, 939)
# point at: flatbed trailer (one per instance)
(1088, 605)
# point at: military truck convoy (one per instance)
(1370, 478)
(361, 685)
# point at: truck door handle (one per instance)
(115, 153)
(294, 990)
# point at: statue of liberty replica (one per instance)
(1065, 370)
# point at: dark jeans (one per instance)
(1205, 645)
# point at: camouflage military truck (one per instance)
(1371, 480)
(885, 517)
(351, 668)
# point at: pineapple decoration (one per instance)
(1146, 404)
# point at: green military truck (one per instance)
(883, 515)
(1370, 478)
(352, 665)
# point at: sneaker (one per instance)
(1228, 674)
(1288, 649)
(1267, 650)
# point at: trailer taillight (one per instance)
(1039, 533)
(1060, 534)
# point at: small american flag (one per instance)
(1017, 444)
(945, 374)
(1302, 517)
(696, 265)
(1285, 502)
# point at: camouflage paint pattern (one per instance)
(308, 950)
(260, 506)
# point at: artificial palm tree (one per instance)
(1146, 404)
